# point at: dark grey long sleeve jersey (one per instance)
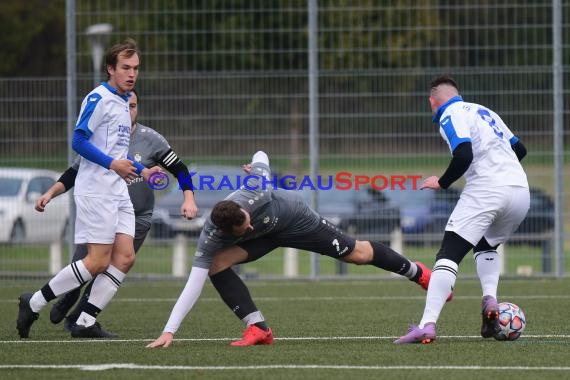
(270, 211)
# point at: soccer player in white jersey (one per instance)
(105, 217)
(149, 148)
(493, 203)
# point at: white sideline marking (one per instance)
(103, 367)
(327, 298)
(306, 338)
(345, 298)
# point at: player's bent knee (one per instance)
(96, 266)
(360, 255)
(226, 259)
(124, 260)
(223, 262)
(218, 267)
(356, 257)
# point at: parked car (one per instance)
(427, 211)
(422, 211)
(166, 219)
(19, 221)
(540, 217)
(362, 212)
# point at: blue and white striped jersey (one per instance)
(494, 161)
(105, 117)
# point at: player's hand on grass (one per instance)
(124, 168)
(163, 340)
(431, 183)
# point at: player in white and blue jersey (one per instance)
(492, 205)
(149, 148)
(105, 218)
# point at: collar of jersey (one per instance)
(442, 108)
(114, 91)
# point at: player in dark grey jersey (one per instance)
(149, 148)
(252, 222)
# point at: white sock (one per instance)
(85, 319)
(441, 284)
(105, 286)
(412, 271)
(253, 318)
(488, 270)
(69, 278)
(37, 302)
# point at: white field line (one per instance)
(131, 366)
(306, 338)
(329, 298)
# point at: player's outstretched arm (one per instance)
(183, 305)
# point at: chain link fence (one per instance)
(222, 79)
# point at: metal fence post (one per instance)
(313, 56)
(558, 135)
(291, 263)
(55, 257)
(179, 259)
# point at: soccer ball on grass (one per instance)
(511, 321)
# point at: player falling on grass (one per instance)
(150, 149)
(105, 217)
(252, 222)
(493, 203)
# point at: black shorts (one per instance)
(325, 239)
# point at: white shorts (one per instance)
(98, 220)
(493, 213)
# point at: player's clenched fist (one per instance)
(147, 172)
